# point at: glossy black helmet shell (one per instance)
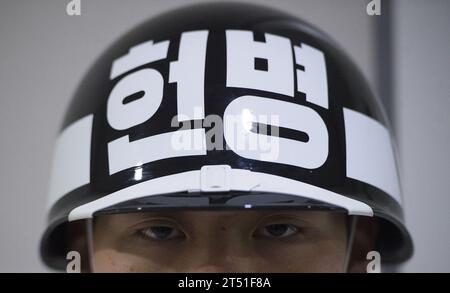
(348, 92)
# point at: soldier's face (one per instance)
(241, 241)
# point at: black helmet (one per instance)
(122, 146)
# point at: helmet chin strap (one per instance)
(90, 243)
(351, 240)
